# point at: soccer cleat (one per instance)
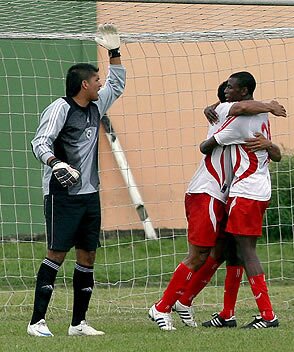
(39, 329)
(163, 320)
(185, 313)
(260, 323)
(218, 322)
(83, 329)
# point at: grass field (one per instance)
(121, 309)
(131, 330)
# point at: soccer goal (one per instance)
(176, 54)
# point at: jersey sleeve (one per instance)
(223, 110)
(112, 89)
(51, 123)
(233, 131)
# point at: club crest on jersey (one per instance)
(89, 133)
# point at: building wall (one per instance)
(160, 121)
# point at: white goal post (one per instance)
(176, 53)
(128, 177)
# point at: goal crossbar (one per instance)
(211, 2)
(193, 36)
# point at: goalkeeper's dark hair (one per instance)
(221, 91)
(245, 79)
(76, 75)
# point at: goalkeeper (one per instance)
(66, 142)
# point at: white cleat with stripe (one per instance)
(185, 313)
(163, 320)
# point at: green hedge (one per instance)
(279, 217)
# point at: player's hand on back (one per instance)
(66, 175)
(211, 114)
(259, 142)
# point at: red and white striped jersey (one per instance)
(215, 170)
(251, 174)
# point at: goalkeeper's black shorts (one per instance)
(72, 221)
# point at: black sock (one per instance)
(44, 288)
(83, 283)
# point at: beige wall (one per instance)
(160, 123)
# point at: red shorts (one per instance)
(245, 216)
(205, 216)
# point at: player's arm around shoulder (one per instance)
(253, 107)
(224, 122)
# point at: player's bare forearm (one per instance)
(253, 107)
(207, 146)
(274, 153)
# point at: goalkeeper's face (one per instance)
(93, 86)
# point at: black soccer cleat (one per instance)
(260, 323)
(218, 322)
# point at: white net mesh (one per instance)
(175, 55)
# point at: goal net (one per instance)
(176, 55)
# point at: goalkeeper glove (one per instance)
(65, 174)
(108, 37)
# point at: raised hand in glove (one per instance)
(65, 174)
(108, 37)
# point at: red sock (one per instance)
(232, 284)
(175, 288)
(260, 291)
(199, 280)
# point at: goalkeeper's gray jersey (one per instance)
(70, 133)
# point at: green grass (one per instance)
(125, 258)
(130, 330)
(120, 309)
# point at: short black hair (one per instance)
(245, 79)
(221, 91)
(76, 74)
